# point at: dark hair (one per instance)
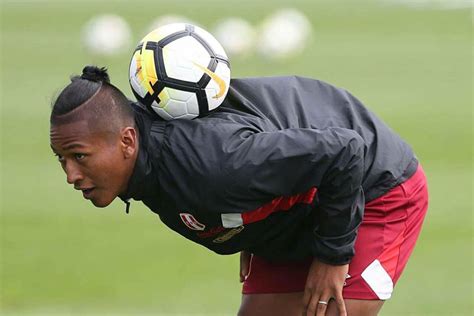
(81, 89)
(84, 87)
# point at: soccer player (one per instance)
(322, 199)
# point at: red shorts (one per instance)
(385, 240)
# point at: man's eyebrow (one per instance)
(72, 146)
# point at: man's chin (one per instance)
(101, 202)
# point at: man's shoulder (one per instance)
(281, 85)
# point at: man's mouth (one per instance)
(86, 193)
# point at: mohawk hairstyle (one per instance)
(110, 106)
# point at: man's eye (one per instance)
(60, 158)
(79, 156)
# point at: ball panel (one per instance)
(179, 95)
(217, 89)
(210, 95)
(175, 108)
(160, 111)
(193, 107)
(180, 56)
(136, 75)
(164, 97)
(147, 66)
(199, 69)
(142, 72)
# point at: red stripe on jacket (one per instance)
(282, 203)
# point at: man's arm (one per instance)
(240, 165)
(287, 162)
(291, 161)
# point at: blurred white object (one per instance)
(169, 19)
(106, 35)
(236, 35)
(284, 34)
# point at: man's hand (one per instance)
(324, 283)
(244, 265)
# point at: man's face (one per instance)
(95, 162)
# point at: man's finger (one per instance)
(312, 306)
(322, 305)
(306, 299)
(341, 306)
(244, 265)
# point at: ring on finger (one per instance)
(323, 302)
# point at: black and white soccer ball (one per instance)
(180, 71)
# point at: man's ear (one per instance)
(129, 141)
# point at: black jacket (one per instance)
(282, 169)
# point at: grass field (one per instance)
(413, 67)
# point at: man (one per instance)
(288, 171)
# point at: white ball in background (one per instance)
(169, 19)
(106, 35)
(284, 34)
(236, 35)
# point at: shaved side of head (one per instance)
(93, 99)
(105, 111)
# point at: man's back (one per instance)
(296, 102)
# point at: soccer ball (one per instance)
(179, 71)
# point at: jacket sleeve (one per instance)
(263, 165)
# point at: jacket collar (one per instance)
(143, 182)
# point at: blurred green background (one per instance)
(59, 254)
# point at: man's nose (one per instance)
(73, 174)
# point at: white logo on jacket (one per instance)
(191, 222)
